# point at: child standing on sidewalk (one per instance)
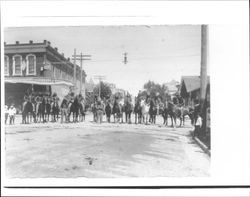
(12, 113)
(6, 113)
(198, 125)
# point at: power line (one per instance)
(156, 57)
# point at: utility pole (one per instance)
(125, 61)
(100, 78)
(204, 53)
(74, 70)
(81, 58)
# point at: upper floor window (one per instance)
(31, 64)
(17, 61)
(6, 65)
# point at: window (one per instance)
(31, 64)
(17, 60)
(6, 65)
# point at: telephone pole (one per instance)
(125, 61)
(74, 70)
(100, 78)
(204, 53)
(81, 58)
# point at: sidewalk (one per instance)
(203, 146)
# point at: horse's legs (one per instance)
(166, 119)
(43, 117)
(34, 116)
(68, 117)
(171, 116)
(27, 118)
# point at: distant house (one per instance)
(90, 85)
(172, 87)
(190, 88)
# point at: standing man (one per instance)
(196, 110)
(6, 112)
(100, 110)
(64, 110)
(12, 114)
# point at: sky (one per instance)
(157, 53)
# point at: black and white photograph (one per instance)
(124, 101)
(122, 98)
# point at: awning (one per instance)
(37, 81)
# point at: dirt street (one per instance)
(94, 150)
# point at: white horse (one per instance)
(145, 111)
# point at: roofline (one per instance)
(46, 45)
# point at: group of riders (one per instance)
(44, 108)
(145, 109)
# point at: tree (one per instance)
(105, 90)
(154, 90)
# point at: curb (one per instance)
(201, 144)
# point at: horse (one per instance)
(47, 109)
(180, 112)
(64, 110)
(82, 110)
(161, 111)
(74, 108)
(41, 110)
(152, 112)
(145, 111)
(117, 111)
(187, 111)
(55, 110)
(27, 112)
(108, 111)
(128, 108)
(138, 112)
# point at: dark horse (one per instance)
(55, 109)
(180, 112)
(117, 111)
(138, 112)
(27, 112)
(74, 108)
(41, 110)
(128, 108)
(152, 112)
(47, 109)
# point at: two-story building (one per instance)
(40, 69)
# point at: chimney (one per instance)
(17, 42)
(48, 42)
(56, 48)
(68, 59)
(31, 41)
(44, 41)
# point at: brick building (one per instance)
(38, 68)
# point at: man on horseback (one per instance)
(108, 111)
